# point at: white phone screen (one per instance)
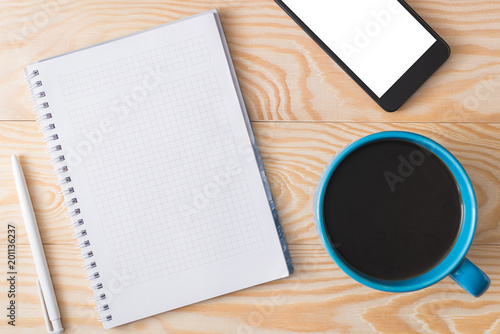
(379, 40)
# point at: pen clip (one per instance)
(48, 323)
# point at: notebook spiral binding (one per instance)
(48, 128)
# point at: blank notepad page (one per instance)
(159, 148)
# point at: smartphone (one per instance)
(382, 44)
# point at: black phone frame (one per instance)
(411, 80)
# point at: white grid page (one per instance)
(121, 72)
(152, 174)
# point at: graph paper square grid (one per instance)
(120, 73)
(160, 180)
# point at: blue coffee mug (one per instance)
(455, 264)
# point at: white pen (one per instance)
(47, 296)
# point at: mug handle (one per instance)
(471, 278)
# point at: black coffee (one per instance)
(392, 210)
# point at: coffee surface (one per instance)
(392, 210)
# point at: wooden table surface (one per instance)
(303, 109)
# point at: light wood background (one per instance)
(304, 109)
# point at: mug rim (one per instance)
(467, 227)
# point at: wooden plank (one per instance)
(294, 156)
(317, 298)
(284, 77)
(283, 73)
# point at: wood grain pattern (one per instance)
(283, 73)
(304, 109)
(294, 155)
(317, 298)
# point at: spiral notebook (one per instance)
(159, 169)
